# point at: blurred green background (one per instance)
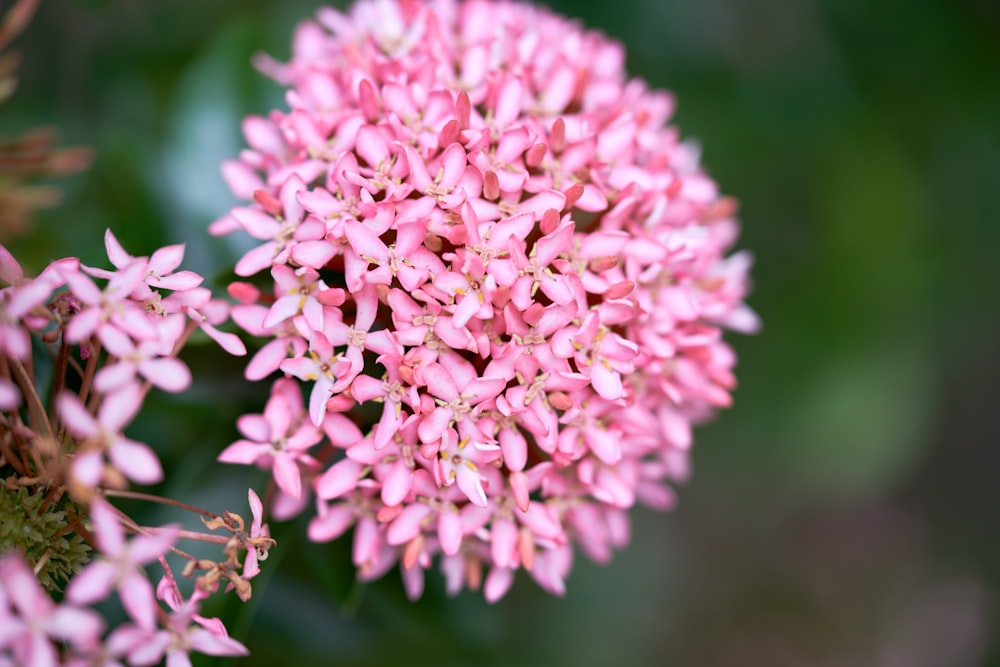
(843, 514)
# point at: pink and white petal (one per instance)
(229, 342)
(413, 581)
(256, 511)
(468, 306)
(93, 583)
(136, 461)
(83, 324)
(497, 583)
(256, 222)
(396, 485)
(606, 382)
(286, 474)
(244, 452)
(331, 523)
(540, 519)
(180, 281)
(605, 444)
(267, 360)
(178, 657)
(80, 627)
(484, 388)
(368, 542)
(503, 543)
(280, 411)
(116, 253)
(166, 260)
(120, 407)
(419, 176)
(364, 242)
(449, 530)
(546, 574)
(147, 548)
(284, 308)
(209, 643)
(453, 162)
(136, 322)
(304, 438)
(107, 529)
(126, 279)
(26, 296)
(408, 524)
(314, 254)
(150, 651)
(340, 478)
(514, 448)
(116, 341)
(10, 269)
(256, 260)
(242, 180)
(82, 287)
(124, 639)
(471, 484)
(136, 594)
(10, 397)
(509, 102)
(433, 426)
(520, 489)
(301, 367)
(317, 399)
(255, 427)
(439, 382)
(88, 468)
(167, 373)
(75, 417)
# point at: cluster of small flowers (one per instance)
(33, 627)
(472, 217)
(141, 332)
(109, 346)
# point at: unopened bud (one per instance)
(603, 263)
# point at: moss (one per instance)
(40, 530)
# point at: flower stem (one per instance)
(138, 495)
(58, 379)
(36, 410)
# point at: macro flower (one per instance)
(30, 621)
(102, 435)
(119, 566)
(484, 246)
(278, 439)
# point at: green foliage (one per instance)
(40, 529)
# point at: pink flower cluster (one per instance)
(501, 277)
(113, 335)
(139, 330)
(35, 630)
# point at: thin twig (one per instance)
(58, 379)
(36, 410)
(138, 495)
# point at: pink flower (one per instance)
(161, 268)
(491, 253)
(102, 435)
(258, 530)
(30, 621)
(120, 566)
(145, 359)
(184, 632)
(278, 439)
(109, 309)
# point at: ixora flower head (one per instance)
(500, 277)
